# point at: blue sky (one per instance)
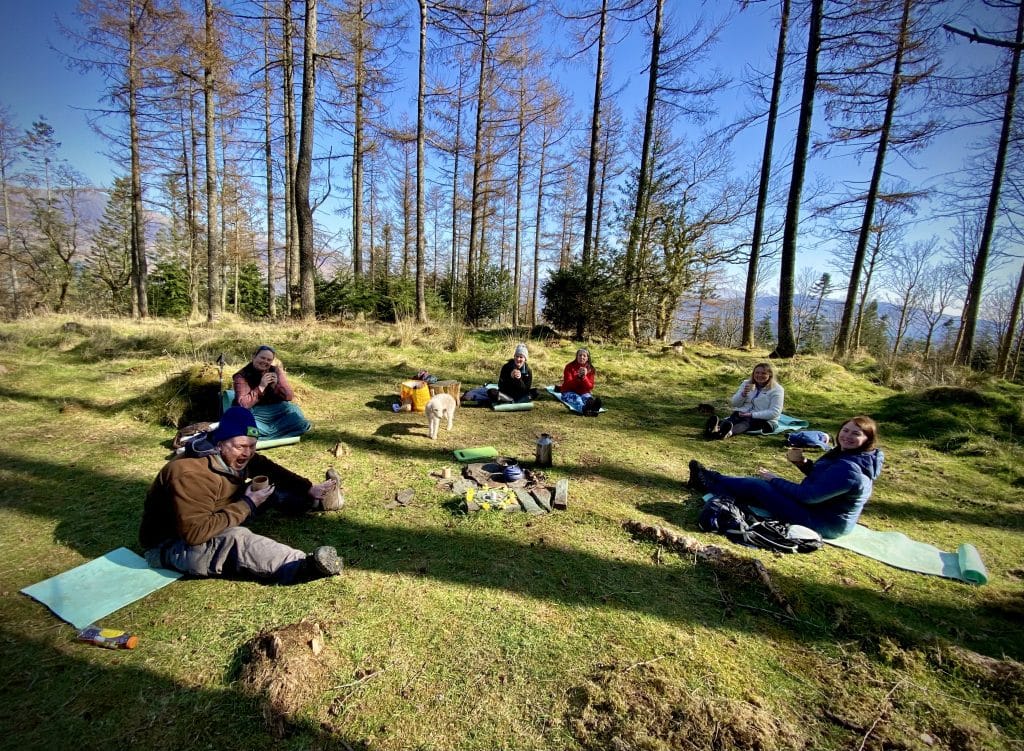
(38, 82)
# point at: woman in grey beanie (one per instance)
(515, 382)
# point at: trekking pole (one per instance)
(220, 379)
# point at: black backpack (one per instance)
(779, 537)
(725, 516)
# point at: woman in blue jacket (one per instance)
(831, 496)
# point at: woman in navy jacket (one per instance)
(831, 496)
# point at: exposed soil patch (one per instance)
(622, 709)
(283, 668)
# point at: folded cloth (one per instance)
(96, 589)
(899, 551)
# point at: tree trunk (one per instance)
(357, 150)
(1006, 345)
(595, 138)
(644, 172)
(534, 285)
(190, 171)
(140, 304)
(291, 242)
(304, 166)
(456, 149)
(517, 262)
(421, 237)
(842, 343)
(766, 171)
(478, 146)
(15, 291)
(268, 158)
(965, 350)
(786, 345)
(213, 277)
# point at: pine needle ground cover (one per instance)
(496, 630)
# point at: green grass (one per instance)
(501, 630)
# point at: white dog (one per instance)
(440, 406)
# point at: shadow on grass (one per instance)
(59, 401)
(1008, 519)
(54, 697)
(105, 515)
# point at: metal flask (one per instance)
(544, 444)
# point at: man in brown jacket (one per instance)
(196, 508)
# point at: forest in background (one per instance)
(471, 188)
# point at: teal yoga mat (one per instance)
(787, 423)
(96, 589)
(899, 551)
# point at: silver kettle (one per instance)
(544, 444)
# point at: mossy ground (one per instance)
(502, 630)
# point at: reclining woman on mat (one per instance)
(515, 382)
(262, 387)
(756, 405)
(830, 498)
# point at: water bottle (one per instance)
(108, 638)
(543, 456)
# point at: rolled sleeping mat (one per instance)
(272, 442)
(971, 566)
(512, 407)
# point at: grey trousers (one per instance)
(234, 552)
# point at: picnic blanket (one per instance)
(899, 551)
(96, 589)
(570, 407)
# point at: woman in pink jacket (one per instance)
(262, 387)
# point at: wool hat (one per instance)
(521, 350)
(236, 421)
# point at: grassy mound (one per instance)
(500, 630)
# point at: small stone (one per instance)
(459, 487)
(402, 497)
(335, 499)
(527, 502)
(543, 497)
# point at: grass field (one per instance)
(507, 631)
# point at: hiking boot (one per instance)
(697, 479)
(333, 500)
(325, 561)
(711, 427)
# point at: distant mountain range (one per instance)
(831, 309)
